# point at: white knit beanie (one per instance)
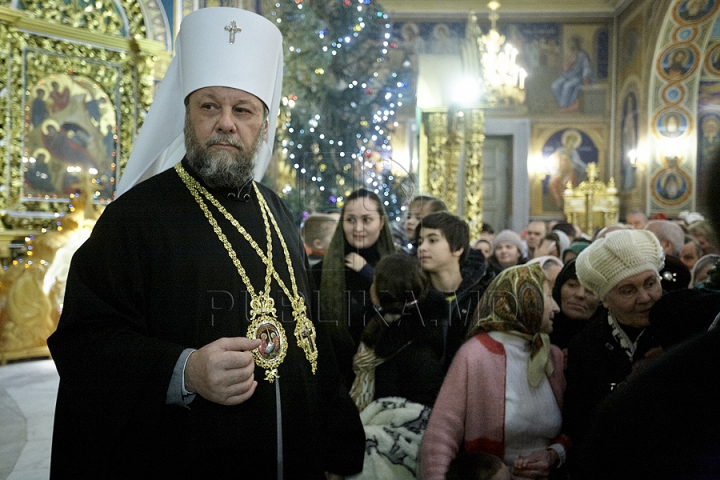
(508, 236)
(617, 256)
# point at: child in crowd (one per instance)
(393, 359)
(398, 374)
(420, 207)
(484, 246)
(317, 231)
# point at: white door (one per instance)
(497, 186)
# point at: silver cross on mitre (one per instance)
(233, 29)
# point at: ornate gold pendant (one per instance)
(305, 333)
(271, 352)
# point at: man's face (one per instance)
(224, 129)
(636, 220)
(434, 251)
(631, 299)
(535, 231)
(667, 245)
(689, 255)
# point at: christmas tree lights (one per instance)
(340, 96)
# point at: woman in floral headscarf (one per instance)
(503, 392)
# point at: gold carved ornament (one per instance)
(57, 37)
(437, 138)
(263, 316)
(475, 140)
(589, 198)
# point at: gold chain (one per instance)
(262, 303)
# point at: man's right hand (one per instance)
(223, 371)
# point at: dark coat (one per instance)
(447, 317)
(596, 365)
(663, 423)
(412, 369)
(152, 280)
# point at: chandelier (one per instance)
(493, 63)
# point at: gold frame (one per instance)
(64, 38)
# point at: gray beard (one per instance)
(221, 169)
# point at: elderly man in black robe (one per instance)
(186, 348)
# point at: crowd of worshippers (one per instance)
(213, 354)
(493, 357)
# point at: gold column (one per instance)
(436, 126)
(451, 138)
(474, 141)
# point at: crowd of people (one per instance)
(514, 343)
(196, 340)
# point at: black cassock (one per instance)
(152, 280)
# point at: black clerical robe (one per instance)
(152, 280)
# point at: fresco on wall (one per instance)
(629, 143)
(708, 113)
(560, 59)
(693, 10)
(672, 123)
(671, 186)
(577, 71)
(678, 63)
(630, 55)
(566, 153)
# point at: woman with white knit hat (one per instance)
(623, 270)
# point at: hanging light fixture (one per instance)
(501, 79)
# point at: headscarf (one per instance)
(576, 248)
(514, 303)
(215, 47)
(567, 273)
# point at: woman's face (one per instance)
(550, 308)
(576, 302)
(631, 299)
(362, 222)
(507, 254)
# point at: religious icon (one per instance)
(270, 347)
(629, 142)
(577, 71)
(273, 347)
(671, 186)
(678, 62)
(695, 10)
(567, 154)
(672, 124)
(70, 139)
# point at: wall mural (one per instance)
(560, 59)
(679, 118)
(629, 142)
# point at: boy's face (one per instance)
(434, 250)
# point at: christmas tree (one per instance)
(342, 88)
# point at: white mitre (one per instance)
(225, 47)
